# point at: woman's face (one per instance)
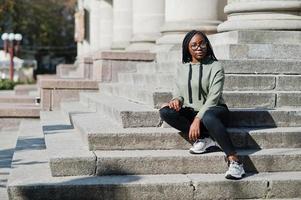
(197, 48)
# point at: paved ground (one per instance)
(7, 144)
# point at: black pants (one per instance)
(213, 122)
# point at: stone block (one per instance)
(61, 95)
(249, 82)
(69, 84)
(24, 89)
(285, 188)
(288, 99)
(261, 66)
(289, 82)
(264, 118)
(255, 37)
(124, 55)
(74, 166)
(250, 99)
(258, 51)
(209, 187)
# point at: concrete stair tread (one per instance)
(185, 153)
(119, 103)
(62, 140)
(107, 126)
(133, 114)
(263, 44)
(109, 135)
(16, 98)
(155, 67)
(255, 36)
(170, 162)
(73, 107)
(127, 112)
(19, 110)
(254, 185)
(285, 109)
(158, 79)
(261, 92)
(34, 181)
(268, 51)
(145, 88)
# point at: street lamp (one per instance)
(11, 45)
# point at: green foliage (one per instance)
(7, 84)
(44, 24)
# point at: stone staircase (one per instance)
(107, 145)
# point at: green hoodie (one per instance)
(212, 82)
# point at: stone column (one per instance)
(148, 17)
(122, 23)
(183, 16)
(98, 25)
(262, 15)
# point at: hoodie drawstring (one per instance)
(189, 82)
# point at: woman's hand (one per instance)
(195, 129)
(175, 104)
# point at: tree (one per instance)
(47, 26)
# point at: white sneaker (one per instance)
(235, 171)
(202, 146)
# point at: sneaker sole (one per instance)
(208, 150)
(229, 176)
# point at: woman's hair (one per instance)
(186, 57)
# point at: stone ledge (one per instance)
(54, 91)
(68, 84)
(19, 110)
(124, 55)
(24, 89)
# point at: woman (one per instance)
(198, 109)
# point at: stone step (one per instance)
(7, 145)
(253, 117)
(258, 51)
(164, 67)
(262, 99)
(62, 140)
(232, 81)
(108, 135)
(17, 99)
(171, 56)
(124, 111)
(234, 99)
(244, 82)
(151, 96)
(31, 178)
(132, 114)
(69, 108)
(25, 89)
(146, 79)
(277, 65)
(238, 66)
(255, 37)
(17, 110)
(262, 66)
(130, 162)
(40, 184)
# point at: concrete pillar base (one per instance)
(174, 32)
(262, 15)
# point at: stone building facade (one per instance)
(146, 24)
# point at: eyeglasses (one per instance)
(195, 46)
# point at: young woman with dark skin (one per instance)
(205, 77)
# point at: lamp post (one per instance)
(11, 45)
